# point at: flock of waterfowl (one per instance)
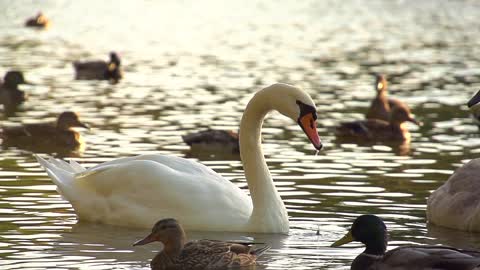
(138, 191)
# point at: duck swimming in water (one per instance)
(39, 21)
(211, 139)
(199, 254)
(381, 105)
(99, 70)
(59, 133)
(379, 130)
(371, 231)
(10, 95)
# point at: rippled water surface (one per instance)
(195, 64)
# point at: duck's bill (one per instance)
(112, 67)
(150, 238)
(309, 125)
(413, 120)
(344, 240)
(80, 124)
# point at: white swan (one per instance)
(456, 204)
(138, 191)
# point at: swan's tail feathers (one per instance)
(60, 172)
(260, 251)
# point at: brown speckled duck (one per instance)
(59, 133)
(39, 21)
(213, 139)
(196, 255)
(381, 105)
(10, 95)
(379, 130)
(371, 231)
(99, 70)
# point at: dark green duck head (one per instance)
(13, 78)
(369, 230)
(67, 120)
(113, 71)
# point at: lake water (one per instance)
(195, 64)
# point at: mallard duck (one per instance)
(39, 21)
(147, 188)
(58, 133)
(381, 105)
(10, 95)
(371, 231)
(213, 139)
(200, 254)
(99, 70)
(379, 130)
(474, 106)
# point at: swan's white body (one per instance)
(138, 191)
(456, 204)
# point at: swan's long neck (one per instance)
(269, 213)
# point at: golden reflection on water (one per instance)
(189, 66)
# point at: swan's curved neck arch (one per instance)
(269, 213)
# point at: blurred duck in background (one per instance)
(199, 254)
(381, 105)
(53, 134)
(379, 130)
(99, 70)
(211, 140)
(371, 231)
(474, 106)
(39, 21)
(10, 95)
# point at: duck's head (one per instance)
(14, 78)
(380, 83)
(114, 61)
(401, 113)
(168, 231)
(297, 105)
(67, 120)
(369, 230)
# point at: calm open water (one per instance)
(195, 64)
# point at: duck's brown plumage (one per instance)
(381, 105)
(196, 255)
(58, 133)
(39, 21)
(379, 130)
(99, 70)
(213, 139)
(10, 95)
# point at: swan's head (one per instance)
(168, 231)
(297, 105)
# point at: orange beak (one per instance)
(148, 239)
(309, 126)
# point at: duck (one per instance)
(372, 232)
(39, 21)
(209, 139)
(381, 105)
(177, 254)
(10, 95)
(474, 106)
(379, 130)
(99, 70)
(137, 191)
(59, 133)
